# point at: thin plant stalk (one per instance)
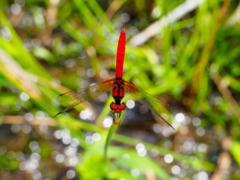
(110, 134)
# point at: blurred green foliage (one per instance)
(193, 62)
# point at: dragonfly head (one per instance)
(117, 108)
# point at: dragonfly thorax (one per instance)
(118, 91)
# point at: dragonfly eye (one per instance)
(122, 106)
(113, 106)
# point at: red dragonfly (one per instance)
(118, 85)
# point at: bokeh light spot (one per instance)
(154, 153)
(28, 117)
(104, 74)
(135, 172)
(59, 158)
(24, 96)
(90, 72)
(168, 158)
(196, 121)
(15, 128)
(202, 147)
(166, 132)
(130, 104)
(176, 169)
(143, 109)
(179, 117)
(156, 12)
(125, 17)
(141, 150)
(107, 122)
(26, 128)
(200, 131)
(157, 128)
(96, 136)
(16, 9)
(125, 156)
(86, 114)
(202, 175)
(70, 174)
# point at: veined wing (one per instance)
(148, 100)
(71, 98)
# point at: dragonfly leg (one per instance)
(116, 117)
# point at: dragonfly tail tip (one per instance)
(123, 29)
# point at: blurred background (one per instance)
(186, 52)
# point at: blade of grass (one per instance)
(16, 45)
(206, 51)
(109, 137)
(191, 160)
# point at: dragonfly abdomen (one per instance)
(120, 54)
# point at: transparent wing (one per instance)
(153, 103)
(71, 98)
